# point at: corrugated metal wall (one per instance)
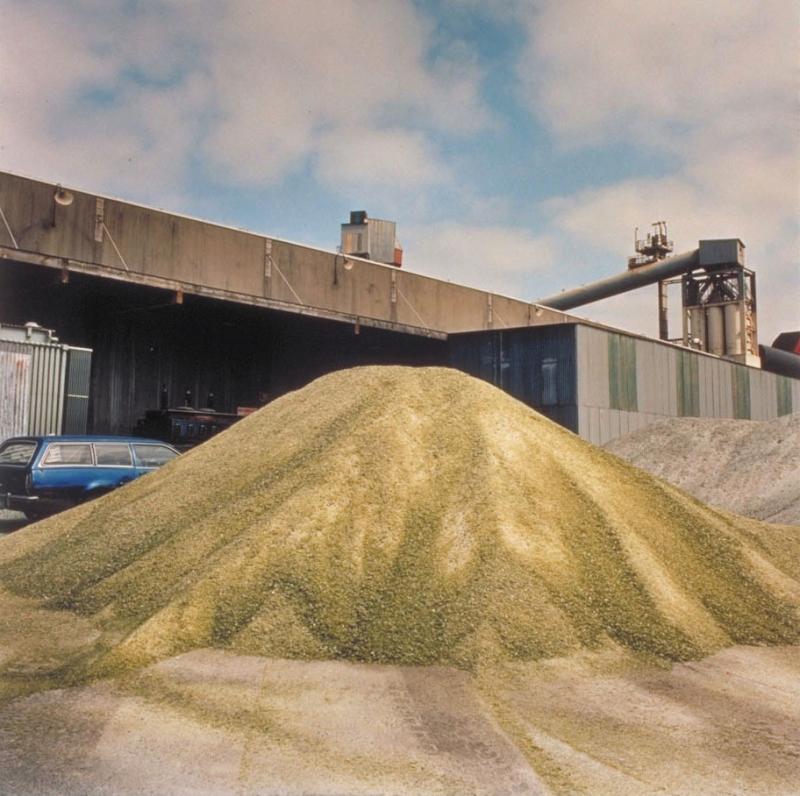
(656, 370)
(381, 239)
(669, 382)
(763, 395)
(48, 371)
(624, 383)
(32, 388)
(740, 389)
(795, 394)
(688, 384)
(535, 365)
(78, 381)
(15, 366)
(783, 396)
(622, 373)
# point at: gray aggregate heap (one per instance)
(744, 466)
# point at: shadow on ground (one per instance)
(11, 521)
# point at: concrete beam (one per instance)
(65, 265)
(119, 240)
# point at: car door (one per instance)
(63, 470)
(16, 455)
(151, 455)
(114, 466)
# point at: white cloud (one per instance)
(595, 68)
(257, 89)
(497, 258)
(70, 112)
(397, 159)
(306, 77)
(713, 87)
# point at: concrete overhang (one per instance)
(113, 239)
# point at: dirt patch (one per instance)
(727, 724)
(601, 723)
(214, 722)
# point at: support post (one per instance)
(268, 268)
(99, 219)
(663, 316)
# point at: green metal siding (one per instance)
(741, 393)
(622, 373)
(688, 384)
(783, 388)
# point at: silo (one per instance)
(697, 322)
(733, 330)
(716, 330)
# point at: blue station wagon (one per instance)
(43, 475)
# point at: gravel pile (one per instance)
(403, 516)
(748, 467)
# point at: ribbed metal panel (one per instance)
(652, 378)
(656, 379)
(76, 400)
(688, 384)
(726, 402)
(47, 389)
(606, 384)
(381, 239)
(763, 387)
(592, 358)
(783, 396)
(622, 373)
(32, 393)
(535, 365)
(15, 366)
(718, 382)
(589, 423)
(740, 387)
(705, 380)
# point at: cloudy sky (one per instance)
(517, 144)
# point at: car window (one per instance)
(112, 454)
(153, 455)
(67, 453)
(17, 452)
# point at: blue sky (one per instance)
(517, 144)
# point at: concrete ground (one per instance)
(210, 721)
(11, 521)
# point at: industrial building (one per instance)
(603, 383)
(181, 313)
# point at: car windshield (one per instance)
(20, 452)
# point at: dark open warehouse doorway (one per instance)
(148, 341)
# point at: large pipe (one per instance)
(622, 283)
(777, 361)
